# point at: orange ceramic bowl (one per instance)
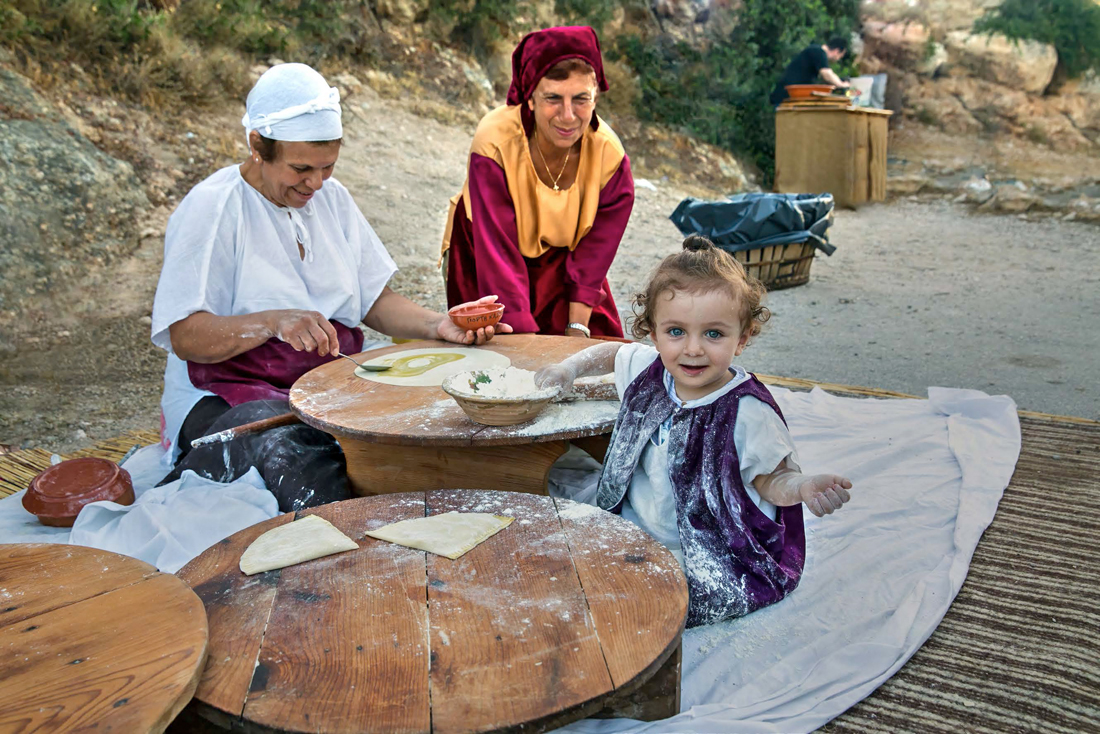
(472, 318)
(58, 494)
(803, 91)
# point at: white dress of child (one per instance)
(760, 437)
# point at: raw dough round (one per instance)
(468, 358)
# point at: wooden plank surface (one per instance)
(37, 578)
(333, 399)
(124, 660)
(346, 648)
(237, 607)
(636, 591)
(512, 642)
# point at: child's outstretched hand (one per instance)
(824, 494)
(559, 374)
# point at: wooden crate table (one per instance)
(91, 640)
(838, 150)
(566, 613)
(399, 438)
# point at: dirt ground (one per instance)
(918, 294)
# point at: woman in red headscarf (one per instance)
(547, 196)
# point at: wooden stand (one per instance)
(831, 149)
(568, 612)
(404, 438)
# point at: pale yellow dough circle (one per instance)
(296, 542)
(472, 359)
(450, 534)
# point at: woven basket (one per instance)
(779, 266)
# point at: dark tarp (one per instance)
(748, 221)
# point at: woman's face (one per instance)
(298, 172)
(563, 109)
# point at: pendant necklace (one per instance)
(554, 178)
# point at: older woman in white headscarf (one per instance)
(268, 268)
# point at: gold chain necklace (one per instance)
(554, 178)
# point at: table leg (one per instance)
(658, 698)
(384, 469)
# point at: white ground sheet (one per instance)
(165, 526)
(880, 573)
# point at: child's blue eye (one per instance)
(675, 331)
(713, 334)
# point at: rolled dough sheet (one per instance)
(450, 534)
(412, 361)
(296, 542)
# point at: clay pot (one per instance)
(806, 91)
(472, 318)
(57, 494)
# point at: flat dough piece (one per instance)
(450, 534)
(470, 358)
(296, 542)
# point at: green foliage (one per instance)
(477, 23)
(308, 30)
(1071, 26)
(721, 93)
(595, 13)
(97, 30)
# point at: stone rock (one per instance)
(348, 85)
(933, 61)
(1012, 198)
(903, 45)
(400, 11)
(940, 15)
(978, 190)
(1023, 65)
(905, 184)
(65, 204)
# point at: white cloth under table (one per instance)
(880, 573)
(229, 251)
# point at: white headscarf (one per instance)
(293, 103)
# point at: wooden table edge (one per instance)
(387, 439)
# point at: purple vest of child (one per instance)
(737, 559)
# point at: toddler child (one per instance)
(700, 457)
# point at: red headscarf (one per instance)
(540, 50)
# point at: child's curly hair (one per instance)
(701, 267)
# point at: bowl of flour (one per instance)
(499, 397)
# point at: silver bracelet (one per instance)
(579, 327)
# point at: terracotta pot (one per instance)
(804, 91)
(472, 318)
(57, 494)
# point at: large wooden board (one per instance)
(519, 633)
(511, 636)
(119, 649)
(333, 399)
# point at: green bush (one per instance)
(1071, 26)
(720, 93)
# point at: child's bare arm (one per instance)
(823, 493)
(597, 360)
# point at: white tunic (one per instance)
(761, 440)
(229, 251)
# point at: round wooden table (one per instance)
(568, 612)
(399, 438)
(94, 640)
